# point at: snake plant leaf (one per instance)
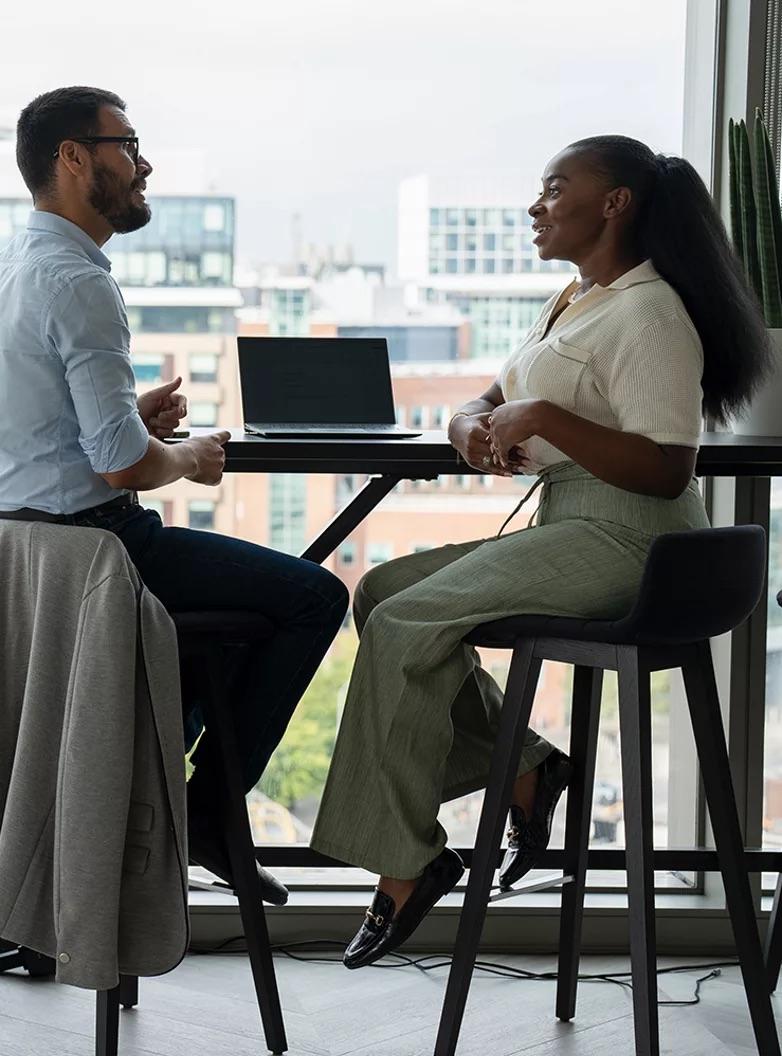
(735, 200)
(748, 213)
(769, 224)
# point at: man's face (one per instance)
(118, 181)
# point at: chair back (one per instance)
(698, 584)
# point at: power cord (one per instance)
(491, 968)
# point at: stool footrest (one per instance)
(543, 883)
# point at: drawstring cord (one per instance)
(513, 513)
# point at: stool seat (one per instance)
(695, 585)
(226, 626)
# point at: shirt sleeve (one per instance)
(655, 384)
(87, 328)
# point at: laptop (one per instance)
(313, 387)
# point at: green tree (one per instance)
(297, 769)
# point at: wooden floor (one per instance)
(206, 1008)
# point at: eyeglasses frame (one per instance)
(102, 139)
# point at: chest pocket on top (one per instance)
(556, 371)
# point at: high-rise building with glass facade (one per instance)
(188, 242)
(472, 248)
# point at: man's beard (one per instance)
(113, 201)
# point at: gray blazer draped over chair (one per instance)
(93, 855)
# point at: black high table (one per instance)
(752, 461)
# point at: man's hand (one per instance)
(162, 409)
(210, 456)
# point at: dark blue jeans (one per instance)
(193, 570)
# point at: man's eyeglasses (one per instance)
(132, 142)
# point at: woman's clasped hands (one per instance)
(509, 426)
(493, 441)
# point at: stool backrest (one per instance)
(700, 583)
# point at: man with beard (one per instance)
(76, 443)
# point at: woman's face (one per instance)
(570, 213)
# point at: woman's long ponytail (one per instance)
(679, 228)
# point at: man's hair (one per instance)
(65, 113)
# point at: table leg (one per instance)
(350, 517)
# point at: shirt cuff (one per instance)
(117, 445)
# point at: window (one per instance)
(287, 512)
(214, 217)
(215, 266)
(181, 320)
(203, 414)
(146, 367)
(440, 416)
(185, 255)
(347, 486)
(161, 507)
(377, 553)
(347, 554)
(203, 367)
(201, 514)
(418, 417)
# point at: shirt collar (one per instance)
(57, 225)
(645, 272)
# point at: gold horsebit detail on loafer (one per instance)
(377, 919)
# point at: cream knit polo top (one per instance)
(626, 356)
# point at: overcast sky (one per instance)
(322, 106)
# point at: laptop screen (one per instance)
(307, 380)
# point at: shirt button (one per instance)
(64, 958)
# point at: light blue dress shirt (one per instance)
(67, 392)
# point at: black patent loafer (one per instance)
(207, 849)
(528, 839)
(383, 930)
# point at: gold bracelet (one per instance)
(463, 414)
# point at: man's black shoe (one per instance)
(207, 848)
(528, 839)
(383, 932)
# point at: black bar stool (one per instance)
(35, 964)
(696, 585)
(203, 639)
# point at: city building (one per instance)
(471, 247)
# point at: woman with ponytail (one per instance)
(603, 400)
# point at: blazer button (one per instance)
(64, 958)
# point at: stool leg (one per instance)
(514, 720)
(635, 732)
(773, 948)
(107, 1022)
(241, 853)
(584, 722)
(706, 716)
(128, 990)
